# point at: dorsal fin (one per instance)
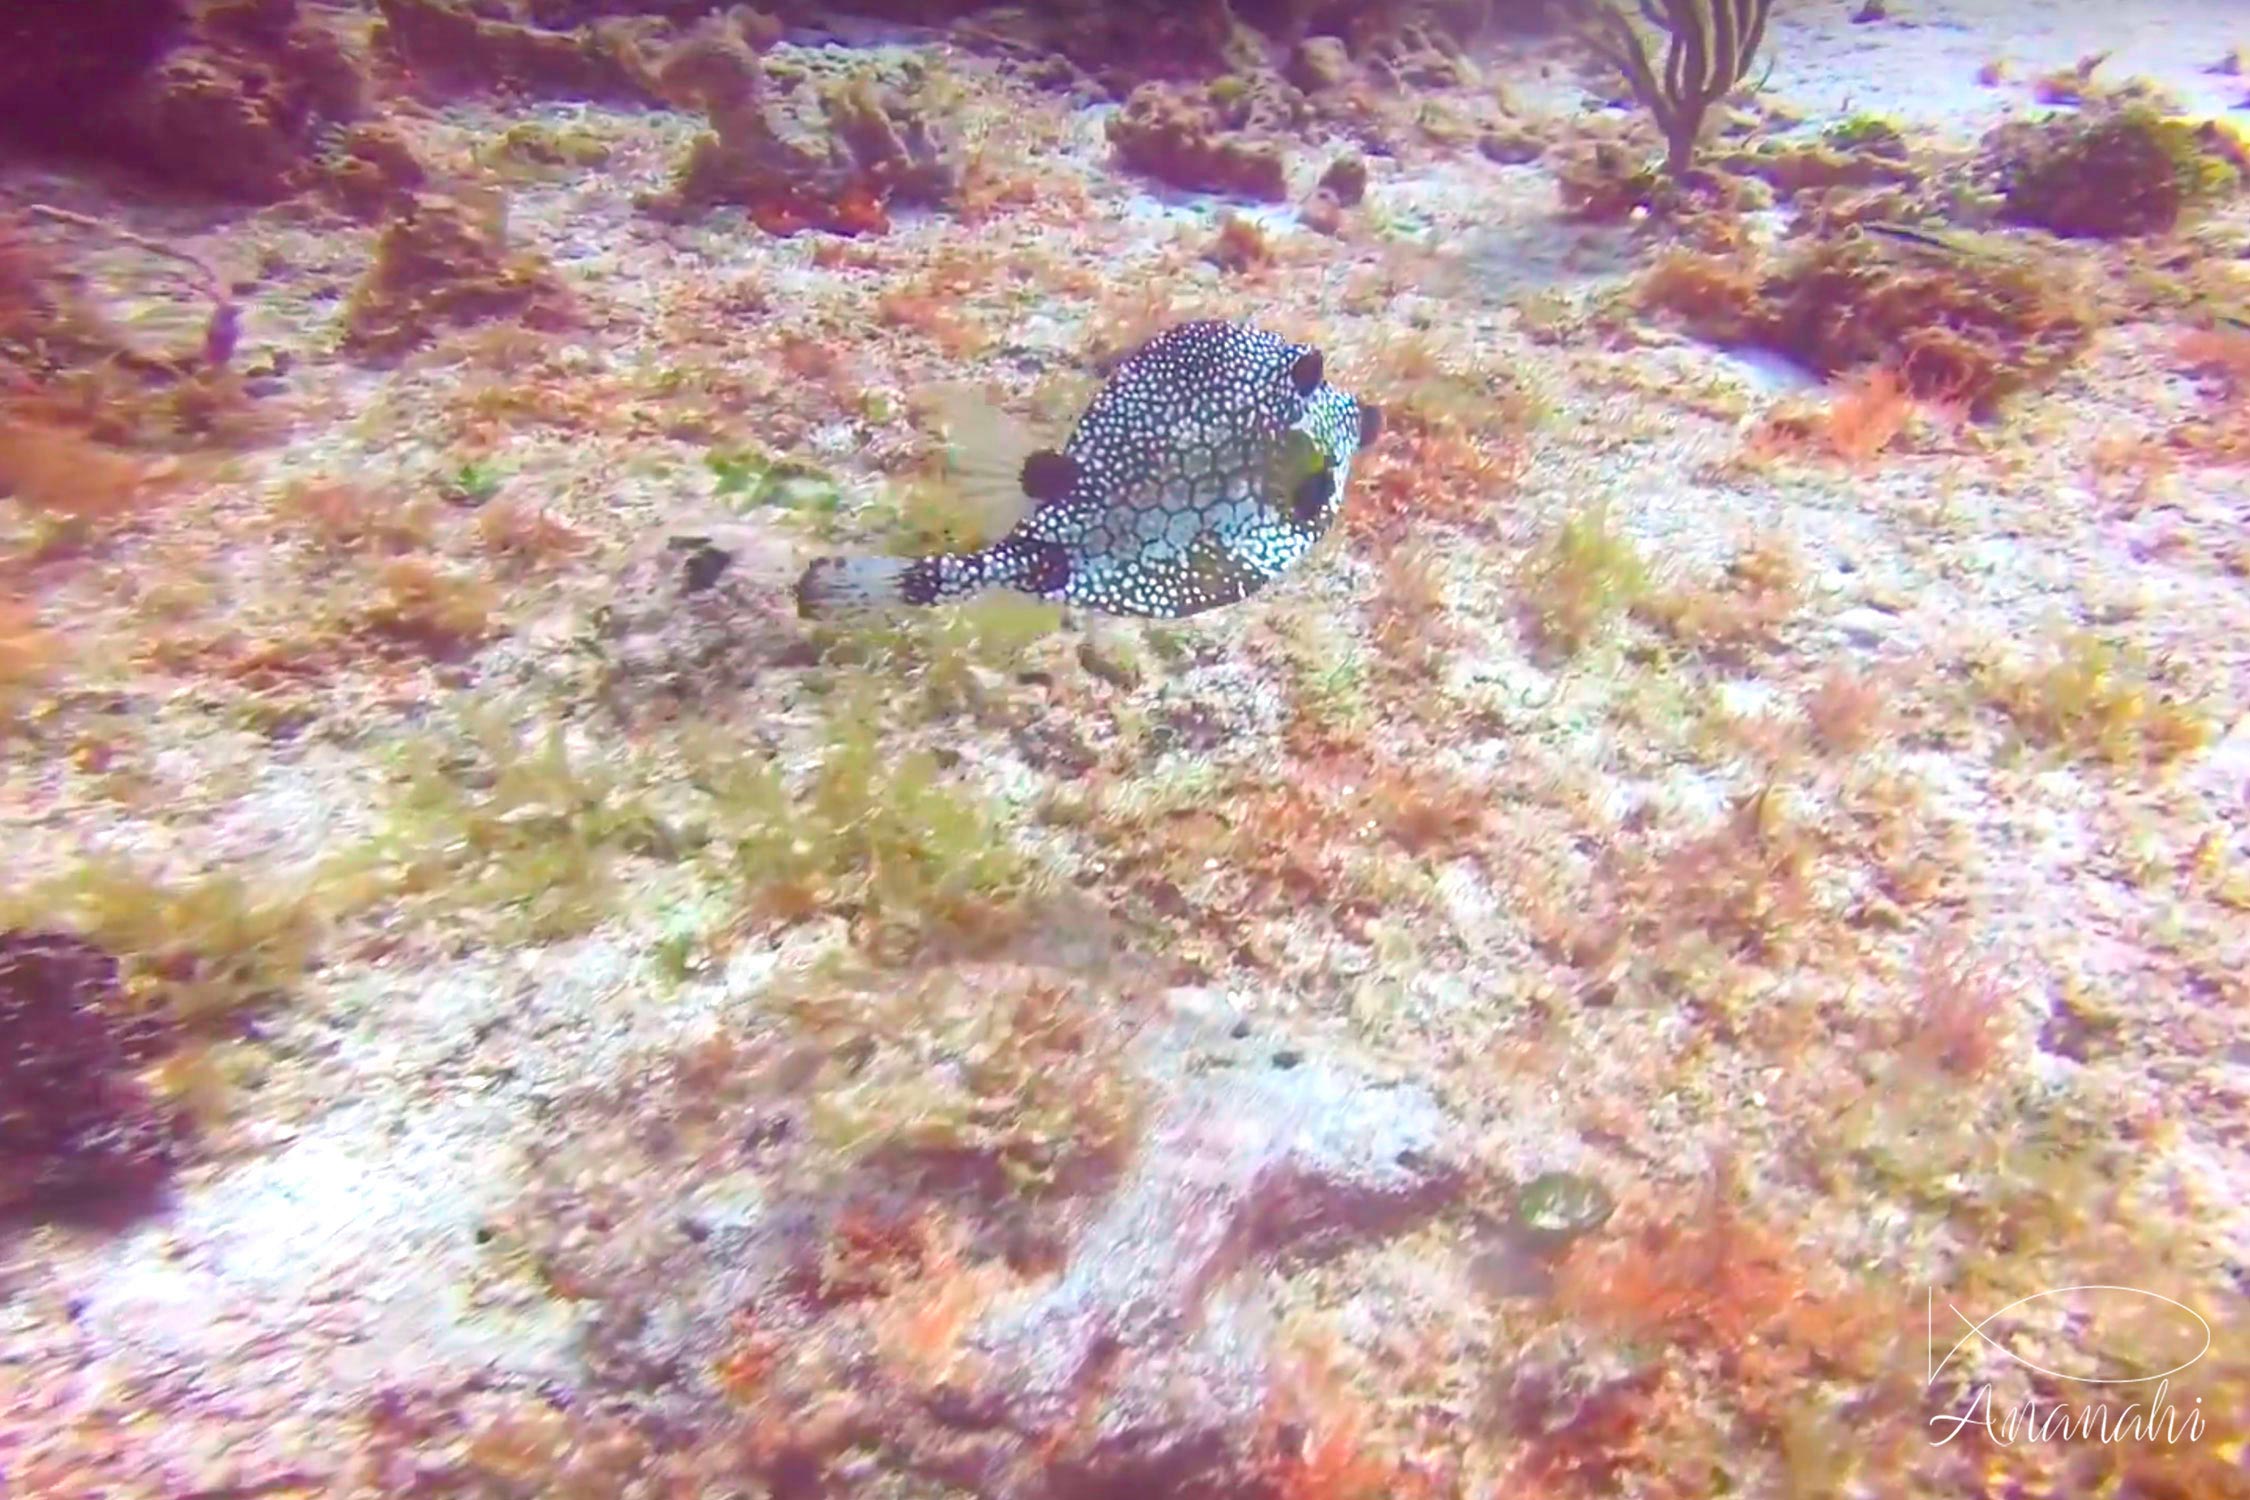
(986, 450)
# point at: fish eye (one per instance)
(1307, 372)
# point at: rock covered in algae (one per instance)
(1403, 43)
(65, 61)
(438, 264)
(453, 42)
(205, 115)
(76, 1123)
(2129, 171)
(229, 97)
(375, 170)
(1223, 137)
(1118, 43)
(806, 138)
(1970, 327)
(1262, 1152)
(1120, 1339)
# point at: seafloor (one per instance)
(1727, 867)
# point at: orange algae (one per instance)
(1970, 330)
(62, 472)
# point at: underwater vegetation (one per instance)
(877, 837)
(1708, 47)
(1586, 576)
(223, 97)
(193, 950)
(2130, 171)
(1968, 331)
(974, 1066)
(435, 266)
(527, 832)
(2092, 698)
(545, 838)
(87, 395)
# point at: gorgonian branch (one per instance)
(1711, 43)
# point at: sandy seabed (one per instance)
(1850, 988)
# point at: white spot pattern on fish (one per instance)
(1208, 464)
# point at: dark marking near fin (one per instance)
(1307, 373)
(703, 567)
(1048, 475)
(1370, 422)
(1313, 492)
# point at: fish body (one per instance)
(1211, 460)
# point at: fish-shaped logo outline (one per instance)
(1977, 1331)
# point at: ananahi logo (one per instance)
(2123, 1345)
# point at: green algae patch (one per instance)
(195, 949)
(1585, 577)
(1006, 1069)
(2098, 701)
(536, 838)
(872, 835)
(951, 658)
(485, 822)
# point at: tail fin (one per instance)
(849, 585)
